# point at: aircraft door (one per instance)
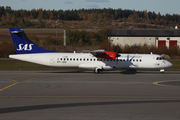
(51, 62)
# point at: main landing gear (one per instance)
(161, 70)
(97, 71)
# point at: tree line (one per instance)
(82, 38)
(38, 17)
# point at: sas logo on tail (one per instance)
(25, 47)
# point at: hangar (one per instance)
(157, 38)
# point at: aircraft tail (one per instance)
(23, 45)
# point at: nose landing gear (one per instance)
(161, 70)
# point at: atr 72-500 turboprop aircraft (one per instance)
(97, 61)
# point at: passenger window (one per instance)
(136, 60)
(61, 58)
(77, 59)
(84, 59)
(67, 59)
(94, 59)
(64, 58)
(74, 59)
(87, 59)
(80, 59)
(90, 59)
(133, 60)
(140, 60)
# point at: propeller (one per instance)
(131, 61)
(117, 55)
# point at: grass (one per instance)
(17, 65)
(21, 65)
(175, 67)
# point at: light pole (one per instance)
(64, 37)
(56, 33)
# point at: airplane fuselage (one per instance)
(88, 61)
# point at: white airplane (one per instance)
(97, 61)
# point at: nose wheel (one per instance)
(161, 70)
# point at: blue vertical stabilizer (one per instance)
(23, 45)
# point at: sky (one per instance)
(162, 6)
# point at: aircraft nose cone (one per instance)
(170, 64)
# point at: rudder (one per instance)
(23, 45)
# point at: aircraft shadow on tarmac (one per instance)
(129, 72)
(126, 72)
(51, 106)
(148, 72)
(91, 72)
(67, 72)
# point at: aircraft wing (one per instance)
(105, 54)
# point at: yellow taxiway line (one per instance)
(9, 85)
(158, 83)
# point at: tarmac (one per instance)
(79, 95)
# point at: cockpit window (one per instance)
(160, 58)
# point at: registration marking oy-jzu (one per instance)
(9, 85)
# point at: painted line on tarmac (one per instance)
(160, 83)
(9, 85)
(95, 97)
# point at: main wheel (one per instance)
(161, 70)
(97, 71)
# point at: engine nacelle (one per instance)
(108, 67)
(111, 55)
(105, 54)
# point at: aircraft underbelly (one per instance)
(124, 65)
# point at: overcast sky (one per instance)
(162, 6)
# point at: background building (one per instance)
(157, 38)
